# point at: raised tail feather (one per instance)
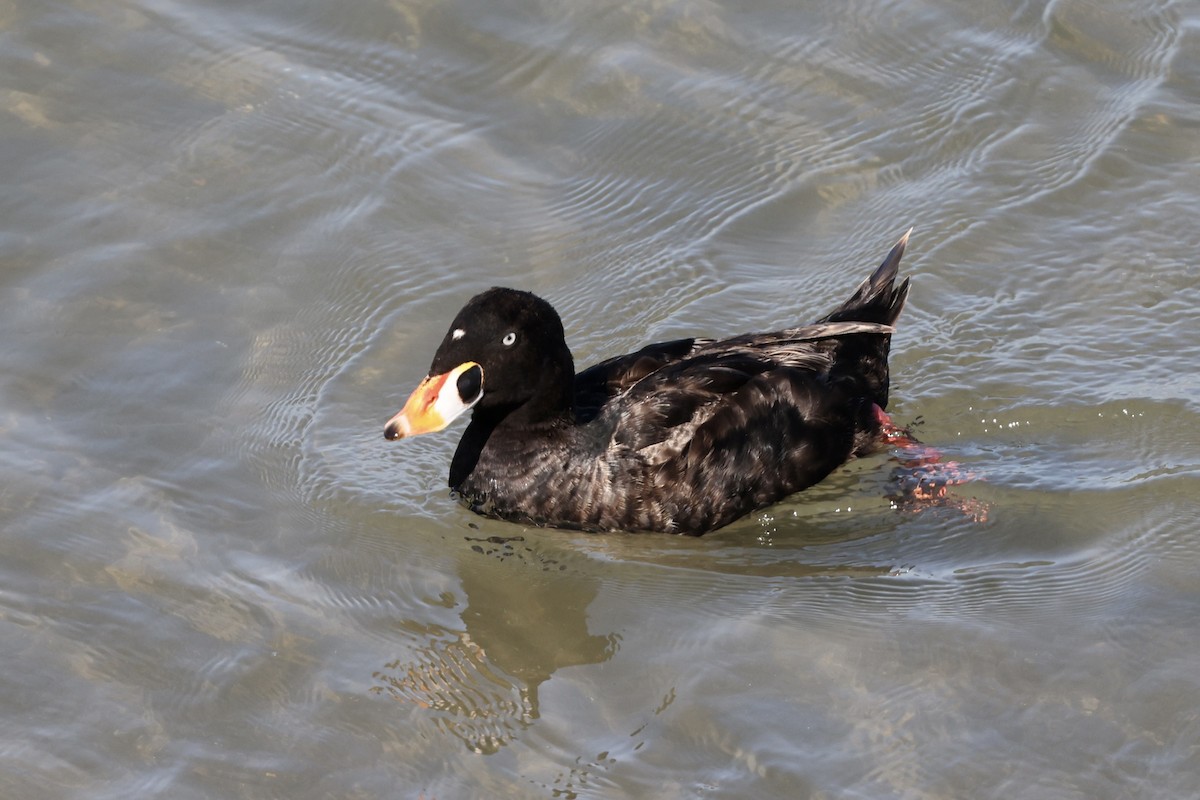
(877, 299)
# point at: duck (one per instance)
(684, 436)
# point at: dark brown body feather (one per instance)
(683, 436)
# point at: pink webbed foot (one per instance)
(923, 479)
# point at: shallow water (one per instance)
(232, 236)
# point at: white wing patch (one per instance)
(457, 334)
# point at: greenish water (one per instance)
(232, 235)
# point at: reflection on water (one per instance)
(472, 700)
(482, 681)
(232, 234)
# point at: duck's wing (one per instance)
(782, 431)
(597, 385)
(660, 412)
(658, 416)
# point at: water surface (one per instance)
(232, 236)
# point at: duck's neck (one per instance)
(552, 401)
(548, 412)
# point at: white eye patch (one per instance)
(508, 339)
(457, 334)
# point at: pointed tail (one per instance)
(877, 299)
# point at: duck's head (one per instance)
(505, 352)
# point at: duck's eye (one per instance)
(508, 339)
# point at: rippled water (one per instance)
(233, 234)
